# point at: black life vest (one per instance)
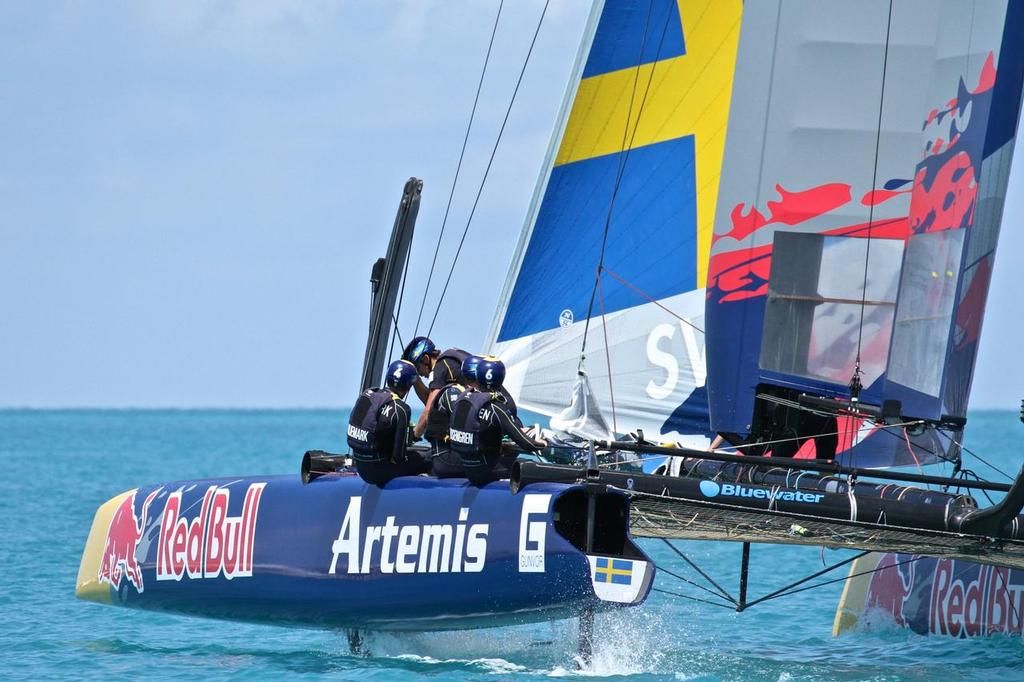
(364, 427)
(472, 433)
(441, 413)
(453, 359)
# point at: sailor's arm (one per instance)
(513, 431)
(422, 392)
(421, 423)
(402, 416)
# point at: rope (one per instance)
(458, 167)
(608, 359)
(487, 170)
(855, 381)
(787, 440)
(662, 569)
(650, 299)
(686, 596)
(777, 594)
(698, 569)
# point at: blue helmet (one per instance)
(469, 367)
(490, 372)
(401, 375)
(417, 348)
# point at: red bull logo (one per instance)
(118, 559)
(972, 603)
(212, 543)
(947, 597)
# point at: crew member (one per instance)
(480, 420)
(446, 463)
(379, 429)
(443, 369)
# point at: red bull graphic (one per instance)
(212, 543)
(947, 597)
(118, 559)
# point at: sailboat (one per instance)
(698, 143)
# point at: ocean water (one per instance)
(58, 466)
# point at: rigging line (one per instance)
(697, 568)
(783, 591)
(624, 155)
(608, 357)
(871, 209)
(458, 167)
(487, 170)
(836, 580)
(662, 569)
(651, 299)
(880, 427)
(980, 459)
(686, 596)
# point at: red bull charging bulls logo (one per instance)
(947, 597)
(118, 559)
(212, 543)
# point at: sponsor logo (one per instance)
(212, 543)
(358, 433)
(123, 535)
(533, 525)
(713, 489)
(968, 600)
(463, 437)
(565, 318)
(393, 548)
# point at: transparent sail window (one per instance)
(820, 306)
(925, 313)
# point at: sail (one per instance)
(639, 150)
(858, 213)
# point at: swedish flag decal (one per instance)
(617, 571)
(623, 581)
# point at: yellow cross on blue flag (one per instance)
(617, 571)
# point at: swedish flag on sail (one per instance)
(647, 125)
(616, 571)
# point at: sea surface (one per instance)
(58, 466)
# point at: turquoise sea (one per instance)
(58, 466)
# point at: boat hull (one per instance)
(947, 597)
(420, 554)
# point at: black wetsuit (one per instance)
(446, 464)
(479, 421)
(378, 434)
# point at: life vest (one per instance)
(441, 413)
(364, 423)
(452, 359)
(471, 433)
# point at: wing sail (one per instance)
(639, 153)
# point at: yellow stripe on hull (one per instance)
(855, 593)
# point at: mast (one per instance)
(385, 279)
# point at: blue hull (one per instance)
(420, 554)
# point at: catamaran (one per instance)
(771, 224)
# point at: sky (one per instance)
(192, 193)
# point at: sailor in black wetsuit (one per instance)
(378, 429)
(444, 370)
(446, 463)
(480, 420)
